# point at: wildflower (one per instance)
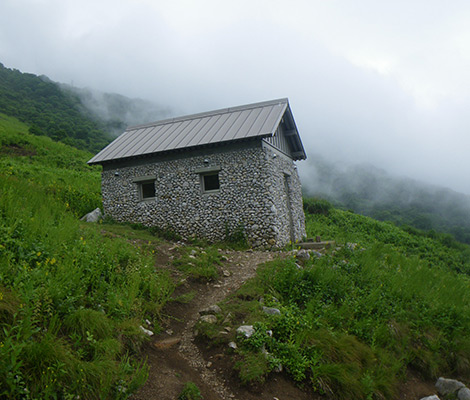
(38, 254)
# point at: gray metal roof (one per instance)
(219, 126)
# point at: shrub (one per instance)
(190, 392)
(253, 368)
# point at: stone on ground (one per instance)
(448, 386)
(93, 216)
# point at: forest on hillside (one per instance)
(49, 111)
(83, 118)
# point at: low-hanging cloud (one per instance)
(367, 81)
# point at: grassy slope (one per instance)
(71, 300)
(58, 169)
(354, 321)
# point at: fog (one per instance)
(386, 83)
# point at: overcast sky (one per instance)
(384, 82)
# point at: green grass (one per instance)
(434, 249)
(73, 295)
(199, 263)
(59, 169)
(71, 298)
(354, 321)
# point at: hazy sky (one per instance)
(384, 82)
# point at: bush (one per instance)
(237, 237)
(352, 322)
(190, 392)
(253, 368)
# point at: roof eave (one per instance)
(180, 150)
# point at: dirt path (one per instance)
(173, 357)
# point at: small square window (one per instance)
(147, 190)
(210, 182)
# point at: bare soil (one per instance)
(175, 357)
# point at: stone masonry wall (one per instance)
(252, 195)
(285, 188)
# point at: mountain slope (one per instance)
(370, 191)
(73, 296)
(117, 112)
(48, 110)
(83, 118)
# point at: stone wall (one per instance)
(285, 188)
(257, 184)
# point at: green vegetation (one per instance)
(236, 239)
(353, 322)
(73, 295)
(369, 191)
(440, 250)
(199, 263)
(60, 170)
(49, 110)
(71, 298)
(317, 206)
(190, 392)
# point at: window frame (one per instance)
(145, 180)
(141, 190)
(208, 171)
(203, 182)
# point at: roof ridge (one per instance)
(182, 118)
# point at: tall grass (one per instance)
(344, 226)
(60, 169)
(354, 321)
(71, 299)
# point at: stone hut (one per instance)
(210, 175)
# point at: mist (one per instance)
(117, 111)
(368, 82)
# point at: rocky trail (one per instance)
(173, 356)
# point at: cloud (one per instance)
(380, 82)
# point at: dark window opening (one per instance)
(210, 182)
(147, 190)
